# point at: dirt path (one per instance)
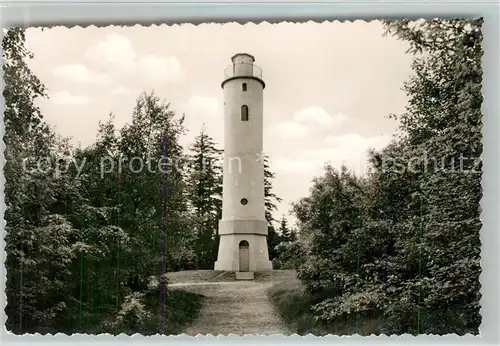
(238, 307)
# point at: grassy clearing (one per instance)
(180, 310)
(195, 276)
(275, 275)
(293, 303)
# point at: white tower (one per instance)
(243, 227)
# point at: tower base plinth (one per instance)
(253, 258)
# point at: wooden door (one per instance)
(244, 256)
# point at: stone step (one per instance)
(244, 276)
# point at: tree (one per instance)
(205, 197)
(83, 225)
(289, 251)
(331, 218)
(443, 123)
(284, 231)
(36, 239)
(22, 87)
(271, 201)
(102, 242)
(50, 223)
(401, 245)
(121, 221)
(141, 153)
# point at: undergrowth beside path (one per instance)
(140, 313)
(293, 303)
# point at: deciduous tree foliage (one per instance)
(84, 227)
(401, 245)
(44, 243)
(397, 249)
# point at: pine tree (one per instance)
(271, 201)
(205, 197)
(284, 231)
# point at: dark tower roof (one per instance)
(249, 55)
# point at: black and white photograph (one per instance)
(264, 178)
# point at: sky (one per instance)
(329, 86)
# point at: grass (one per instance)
(195, 276)
(181, 309)
(276, 275)
(294, 303)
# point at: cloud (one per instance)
(317, 116)
(120, 90)
(65, 98)
(80, 74)
(203, 107)
(160, 69)
(203, 111)
(290, 129)
(349, 150)
(356, 141)
(114, 50)
(307, 121)
(297, 165)
(117, 52)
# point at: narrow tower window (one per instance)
(244, 113)
(244, 87)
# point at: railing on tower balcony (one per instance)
(242, 70)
